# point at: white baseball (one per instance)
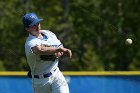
(128, 41)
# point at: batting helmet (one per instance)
(30, 19)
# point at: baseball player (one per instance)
(43, 51)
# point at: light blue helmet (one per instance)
(30, 19)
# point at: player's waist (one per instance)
(39, 67)
(44, 75)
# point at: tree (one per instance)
(94, 30)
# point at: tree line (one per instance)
(95, 31)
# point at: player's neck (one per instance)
(40, 36)
(36, 34)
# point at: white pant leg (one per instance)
(59, 84)
(42, 85)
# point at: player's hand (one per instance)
(69, 53)
(58, 54)
(66, 51)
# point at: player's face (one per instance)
(34, 29)
(37, 27)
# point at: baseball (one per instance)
(128, 41)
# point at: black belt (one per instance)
(44, 75)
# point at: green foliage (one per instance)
(95, 31)
(2, 68)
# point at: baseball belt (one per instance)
(40, 76)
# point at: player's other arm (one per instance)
(43, 50)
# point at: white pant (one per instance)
(56, 83)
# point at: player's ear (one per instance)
(27, 29)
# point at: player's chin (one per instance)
(38, 31)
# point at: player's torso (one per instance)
(49, 40)
(42, 66)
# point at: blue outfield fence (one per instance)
(79, 82)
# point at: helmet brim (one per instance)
(36, 21)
